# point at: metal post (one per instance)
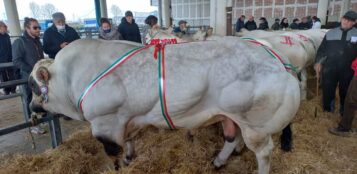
(12, 17)
(160, 13)
(97, 11)
(55, 130)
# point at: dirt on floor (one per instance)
(165, 151)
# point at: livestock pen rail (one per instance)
(52, 120)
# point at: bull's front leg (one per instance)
(110, 130)
(303, 84)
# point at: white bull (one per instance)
(228, 81)
(299, 46)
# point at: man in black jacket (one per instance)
(26, 51)
(250, 24)
(5, 56)
(129, 29)
(334, 58)
(58, 35)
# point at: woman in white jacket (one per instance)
(316, 23)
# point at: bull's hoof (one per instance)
(217, 167)
(116, 165)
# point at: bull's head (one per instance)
(38, 82)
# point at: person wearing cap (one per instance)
(182, 28)
(276, 25)
(333, 61)
(129, 29)
(263, 24)
(6, 56)
(295, 24)
(58, 35)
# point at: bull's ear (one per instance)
(43, 74)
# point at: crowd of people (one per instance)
(333, 61)
(283, 24)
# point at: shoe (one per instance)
(37, 130)
(341, 132)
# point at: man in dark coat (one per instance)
(129, 29)
(295, 24)
(240, 23)
(250, 24)
(26, 52)
(6, 56)
(58, 35)
(334, 58)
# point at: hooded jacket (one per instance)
(26, 51)
(129, 31)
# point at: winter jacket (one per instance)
(263, 26)
(250, 25)
(275, 26)
(304, 26)
(129, 31)
(336, 49)
(112, 35)
(26, 51)
(294, 26)
(316, 25)
(5, 48)
(52, 39)
(239, 25)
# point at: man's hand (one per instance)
(63, 44)
(317, 68)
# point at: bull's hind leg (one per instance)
(230, 143)
(262, 145)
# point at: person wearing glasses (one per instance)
(26, 51)
(5, 56)
(58, 35)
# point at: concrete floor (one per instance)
(20, 141)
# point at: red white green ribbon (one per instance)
(160, 55)
(106, 72)
(287, 66)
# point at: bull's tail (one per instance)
(286, 139)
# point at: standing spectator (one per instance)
(263, 24)
(58, 35)
(182, 28)
(350, 108)
(240, 23)
(304, 25)
(276, 25)
(334, 58)
(129, 29)
(151, 23)
(6, 56)
(316, 23)
(284, 24)
(107, 32)
(26, 51)
(250, 24)
(295, 24)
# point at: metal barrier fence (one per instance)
(52, 120)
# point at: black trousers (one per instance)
(7, 75)
(27, 92)
(350, 106)
(332, 77)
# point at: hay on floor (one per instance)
(315, 151)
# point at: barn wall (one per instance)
(272, 9)
(195, 12)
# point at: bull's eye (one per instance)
(34, 87)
